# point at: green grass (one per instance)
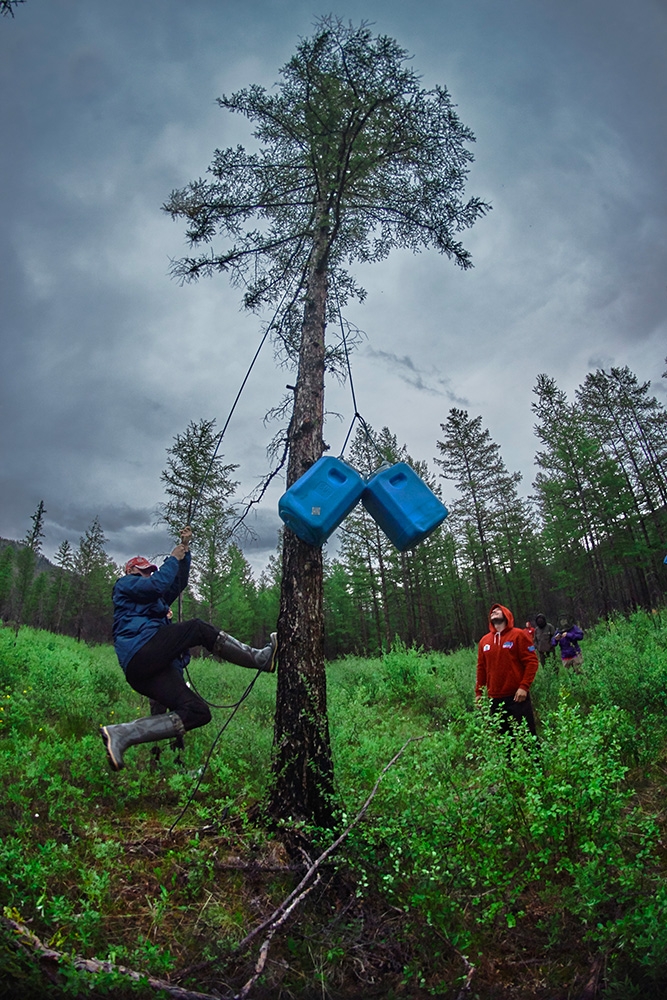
(520, 856)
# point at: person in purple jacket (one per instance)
(149, 647)
(568, 638)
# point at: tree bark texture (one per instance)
(303, 768)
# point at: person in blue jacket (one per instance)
(568, 638)
(147, 646)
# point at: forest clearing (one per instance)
(485, 865)
(359, 819)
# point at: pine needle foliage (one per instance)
(351, 144)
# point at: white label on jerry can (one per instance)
(315, 511)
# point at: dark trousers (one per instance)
(543, 654)
(151, 671)
(511, 709)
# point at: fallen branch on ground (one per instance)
(288, 905)
(470, 970)
(51, 959)
(264, 950)
(327, 853)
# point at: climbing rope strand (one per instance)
(192, 509)
(345, 348)
(211, 704)
(263, 487)
(210, 753)
(347, 436)
(357, 415)
(193, 506)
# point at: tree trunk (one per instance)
(303, 767)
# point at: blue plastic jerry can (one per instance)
(403, 505)
(315, 504)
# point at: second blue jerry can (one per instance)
(403, 505)
(315, 504)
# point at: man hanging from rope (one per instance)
(147, 646)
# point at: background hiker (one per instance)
(506, 667)
(568, 638)
(544, 633)
(147, 646)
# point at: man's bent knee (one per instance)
(195, 715)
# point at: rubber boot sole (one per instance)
(273, 663)
(114, 764)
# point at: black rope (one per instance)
(194, 791)
(193, 505)
(192, 509)
(357, 415)
(211, 704)
(367, 432)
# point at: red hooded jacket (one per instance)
(506, 660)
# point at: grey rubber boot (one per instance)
(230, 649)
(118, 738)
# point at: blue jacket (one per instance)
(141, 603)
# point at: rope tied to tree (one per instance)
(357, 414)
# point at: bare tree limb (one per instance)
(6, 6)
(327, 853)
(49, 957)
(470, 970)
(264, 950)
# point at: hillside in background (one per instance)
(43, 565)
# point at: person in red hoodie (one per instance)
(506, 667)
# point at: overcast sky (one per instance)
(107, 107)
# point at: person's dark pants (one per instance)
(517, 710)
(151, 671)
(157, 708)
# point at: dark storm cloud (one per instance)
(114, 518)
(107, 108)
(404, 367)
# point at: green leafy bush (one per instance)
(473, 835)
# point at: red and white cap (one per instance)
(139, 563)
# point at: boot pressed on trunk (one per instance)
(118, 738)
(230, 649)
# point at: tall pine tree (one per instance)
(355, 159)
